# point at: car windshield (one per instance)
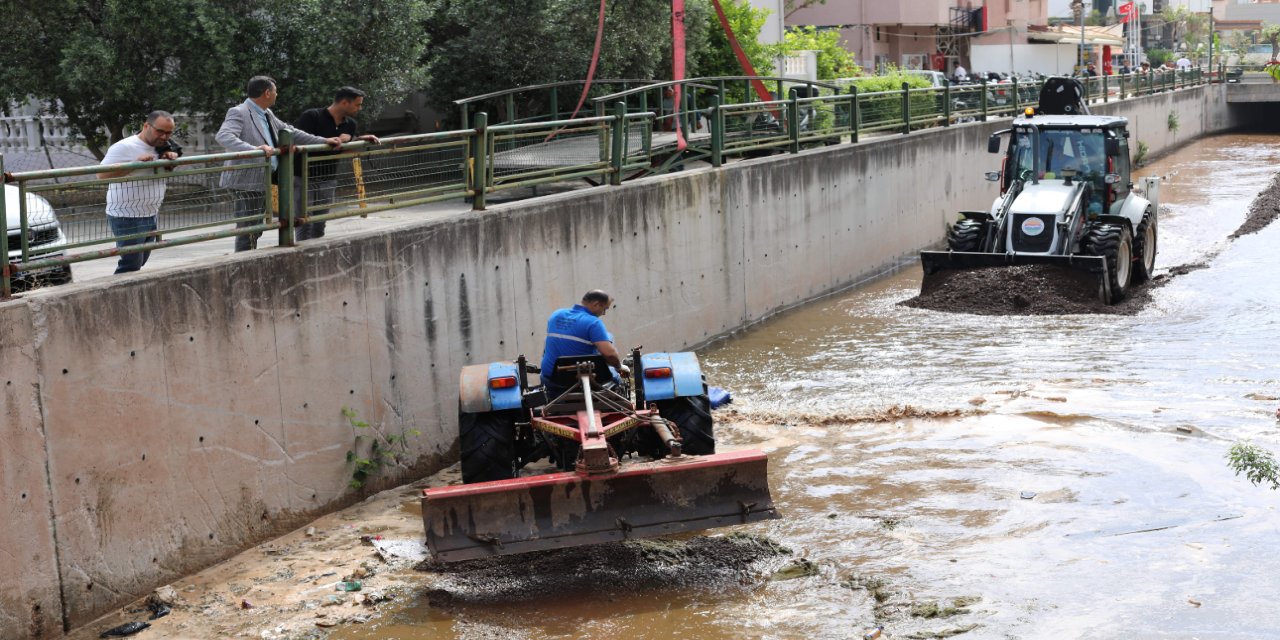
(1078, 150)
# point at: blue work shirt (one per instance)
(572, 332)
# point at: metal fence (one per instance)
(69, 215)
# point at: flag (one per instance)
(1124, 10)
(1126, 18)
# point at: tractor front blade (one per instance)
(551, 511)
(1092, 270)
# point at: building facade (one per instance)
(924, 34)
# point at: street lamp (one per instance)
(1077, 6)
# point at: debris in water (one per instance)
(800, 568)
(1027, 495)
(245, 604)
(124, 630)
(158, 610)
(1259, 396)
(873, 634)
(311, 531)
(348, 585)
(1194, 603)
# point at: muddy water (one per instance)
(993, 477)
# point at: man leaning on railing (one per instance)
(251, 125)
(336, 120)
(133, 207)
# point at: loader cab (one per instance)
(1090, 148)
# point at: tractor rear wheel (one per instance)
(488, 445)
(1114, 243)
(1144, 248)
(966, 235)
(693, 416)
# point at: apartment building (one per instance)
(924, 34)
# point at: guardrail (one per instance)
(316, 183)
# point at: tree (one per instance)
(718, 58)
(1271, 33)
(834, 60)
(104, 64)
(312, 47)
(1257, 464)
(1188, 27)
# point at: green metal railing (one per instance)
(627, 137)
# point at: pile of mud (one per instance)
(636, 564)
(1029, 290)
(1263, 211)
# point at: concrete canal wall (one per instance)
(156, 424)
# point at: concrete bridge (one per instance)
(158, 423)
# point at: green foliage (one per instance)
(1189, 27)
(104, 64)
(717, 58)
(1157, 57)
(1140, 153)
(312, 47)
(373, 449)
(471, 50)
(1172, 121)
(1271, 33)
(888, 107)
(834, 60)
(1273, 70)
(1257, 464)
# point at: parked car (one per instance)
(937, 79)
(44, 239)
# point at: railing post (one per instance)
(285, 180)
(946, 103)
(717, 133)
(855, 113)
(906, 108)
(1017, 107)
(619, 138)
(1106, 90)
(555, 104)
(1122, 79)
(6, 284)
(480, 160)
(984, 99)
(793, 124)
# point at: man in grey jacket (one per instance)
(248, 126)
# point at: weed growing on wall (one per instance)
(372, 449)
(1173, 121)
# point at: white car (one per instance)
(44, 239)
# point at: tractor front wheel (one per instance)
(693, 416)
(488, 445)
(1114, 243)
(966, 235)
(1144, 249)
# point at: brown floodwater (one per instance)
(1033, 476)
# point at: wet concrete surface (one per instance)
(939, 475)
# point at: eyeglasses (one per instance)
(163, 132)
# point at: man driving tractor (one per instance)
(579, 331)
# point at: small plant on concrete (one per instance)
(382, 449)
(1273, 70)
(1173, 121)
(1257, 464)
(1140, 153)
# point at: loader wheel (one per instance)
(488, 445)
(1114, 243)
(693, 416)
(965, 235)
(1144, 249)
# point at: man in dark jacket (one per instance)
(334, 121)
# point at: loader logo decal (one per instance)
(1033, 226)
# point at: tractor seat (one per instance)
(566, 370)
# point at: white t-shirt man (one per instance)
(960, 73)
(1183, 63)
(139, 199)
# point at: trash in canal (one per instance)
(348, 585)
(800, 568)
(1027, 495)
(158, 610)
(126, 629)
(873, 634)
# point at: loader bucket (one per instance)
(551, 511)
(1092, 270)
